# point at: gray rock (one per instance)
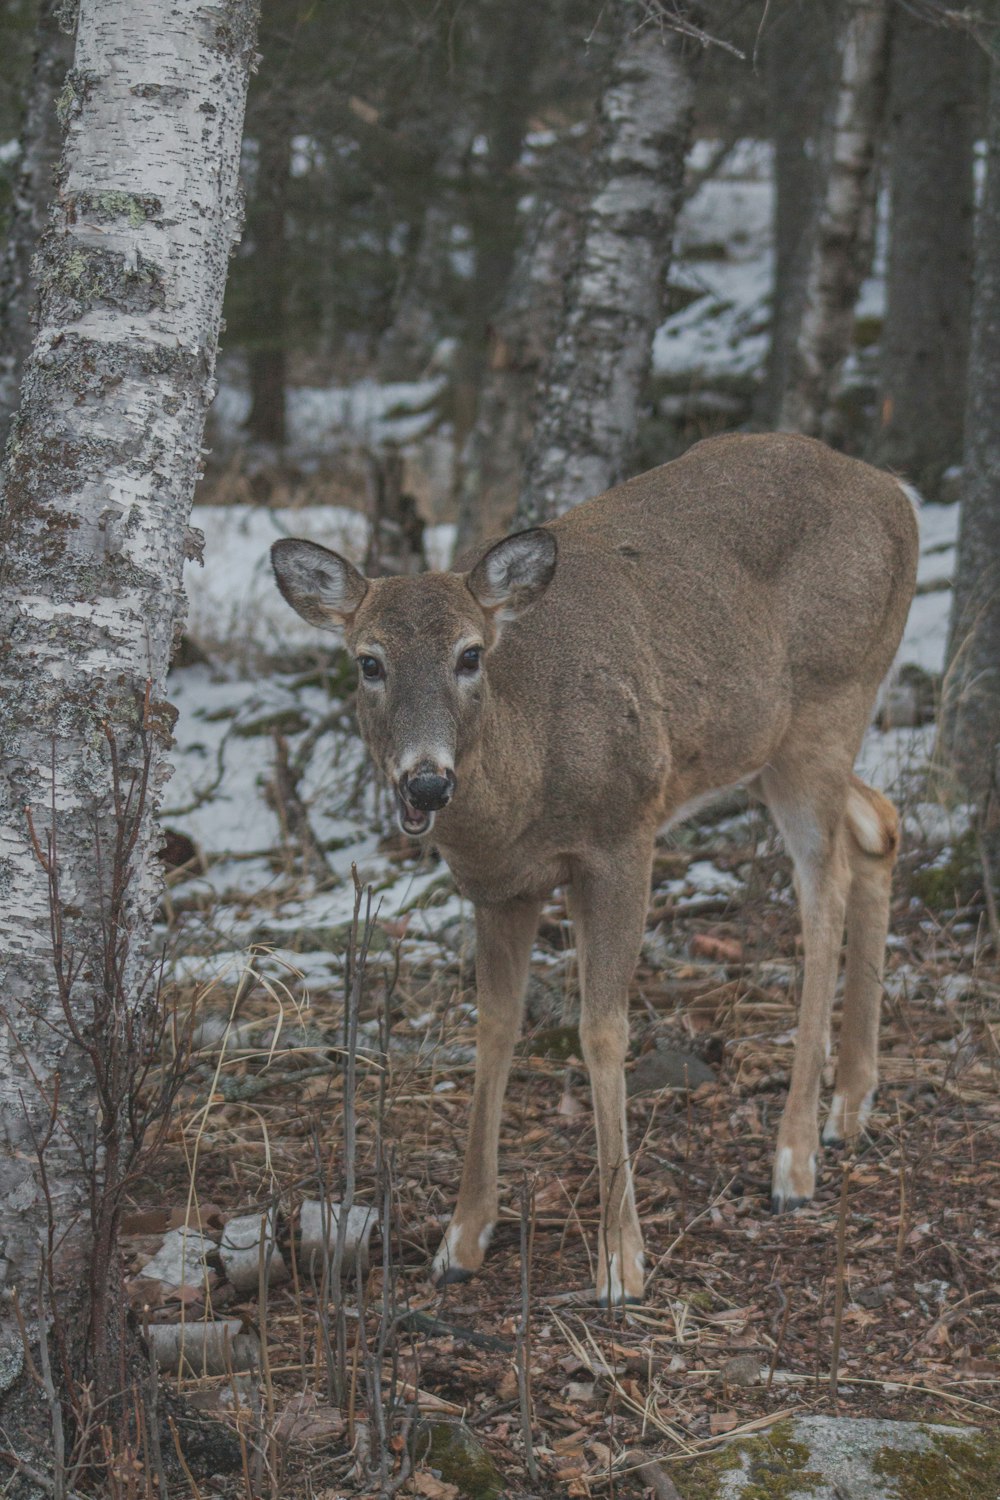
(849, 1458)
(667, 1068)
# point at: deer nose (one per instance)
(428, 788)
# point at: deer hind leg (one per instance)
(504, 935)
(609, 909)
(872, 844)
(809, 811)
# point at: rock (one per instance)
(668, 1068)
(742, 1369)
(848, 1458)
(459, 1458)
(460, 937)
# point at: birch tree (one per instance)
(842, 243)
(100, 473)
(588, 408)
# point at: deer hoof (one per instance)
(794, 1182)
(457, 1259)
(847, 1119)
(611, 1292)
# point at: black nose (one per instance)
(428, 789)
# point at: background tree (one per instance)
(93, 529)
(925, 339)
(799, 55)
(588, 407)
(969, 735)
(32, 184)
(841, 242)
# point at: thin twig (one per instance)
(838, 1306)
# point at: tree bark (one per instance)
(520, 341)
(266, 221)
(841, 252)
(969, 736)
(799, 50)
(588, 409)
(41, 139)
(925, 341)
(94, 508)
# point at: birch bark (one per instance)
(842, 245)
(97, 488)
(588, 409)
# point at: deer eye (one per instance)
(371, 668)
(470, 659)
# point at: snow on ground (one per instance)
(323, 420)
(233, 605)
(248, 895)
(724, 255)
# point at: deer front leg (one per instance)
(609, 908)
(504, 935)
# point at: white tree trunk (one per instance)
(588, 410)
(843, 240)
(97, 489)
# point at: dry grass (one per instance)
(917, 1285)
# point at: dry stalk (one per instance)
(523, 1349)
(838, 1307)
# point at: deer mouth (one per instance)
(414, 821)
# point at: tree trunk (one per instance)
(521, 338)
(969, 737)
(93, 529)
(41, 138)
(925, 342)
(589, 406)
(268, 357)
(799, 49)
(841, 252)
(424, 308)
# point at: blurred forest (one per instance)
(417, 188)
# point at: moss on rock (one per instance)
(952, 1468)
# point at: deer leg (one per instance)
(504, 935)
(813, 829)
(872, 842)
(610, 910)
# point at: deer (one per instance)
(723, 621)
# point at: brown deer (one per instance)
(726, 619)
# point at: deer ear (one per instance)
(514, 573)
(320, 585)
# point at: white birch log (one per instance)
(97, 489)
(842, 243)
(588, 408)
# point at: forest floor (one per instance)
(738, 1327)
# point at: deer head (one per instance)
(422, 647)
